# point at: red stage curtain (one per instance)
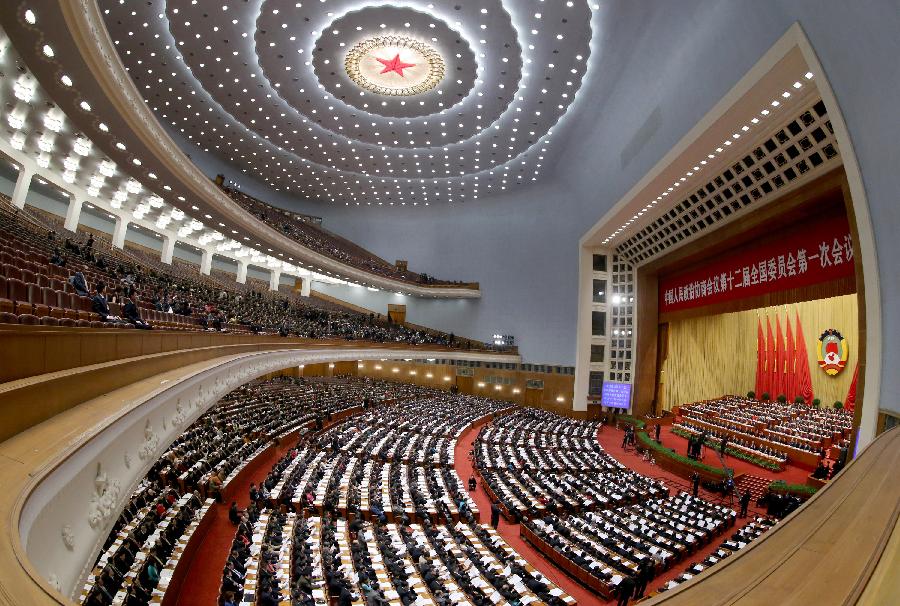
(804, 379)
(760, 359)
(790, 359)
(850, 402)
(778, 382)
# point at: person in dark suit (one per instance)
(100, 306)
(745, 502)
(695, 483)
(133, 316)
(495, 515)
(644, 574)
(658, 429)
(626, 589)
(79, 284)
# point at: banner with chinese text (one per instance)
(811, 252)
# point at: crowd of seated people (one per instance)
(200, 463)
(771, 424)
(392, 463)
(623, 548)
(534, 462)
(349, 548)
(737, 541)
(314, 237)
(51, 276)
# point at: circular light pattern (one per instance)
(263, 86)
(394, 66)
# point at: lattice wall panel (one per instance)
(801, 147)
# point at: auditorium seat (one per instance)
(8, 318)
(11, 271)
(35, 297)
(69, 322)
(96, 324)
(29, 319)
(49, 321)
(82, 323)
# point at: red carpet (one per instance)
(204, 573)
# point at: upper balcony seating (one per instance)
(38, 257)
(318, 239)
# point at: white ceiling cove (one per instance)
(263, 84)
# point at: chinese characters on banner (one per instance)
(808, 253)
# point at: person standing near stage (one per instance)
(695, 483)
(745, 502)
(495, 515)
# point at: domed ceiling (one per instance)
(362, 103)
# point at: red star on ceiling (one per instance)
(394, 65)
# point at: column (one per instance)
(206, 262)
(305, 285)
(73, 213)
(242, 272)
(168, 248)
(23, 182)
(119, 232)
(274, 279)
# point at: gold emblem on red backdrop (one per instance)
(833, 352)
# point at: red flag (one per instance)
(770, 360)
(760, 359)
(778, 381)
(790, 377)
(850, 402)
(804, 380)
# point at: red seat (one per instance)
(82, 323)
(49, 321)
(29, 319)
(97, 324)
(56, 270)
(8, 318)
(41, 280)
(16, 289)
(5, 303)
(37, 302)
(27, 276)
(12, 272)
(50, 298)
(66, 322)
(57, 284)
(83, 303)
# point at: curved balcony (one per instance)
(83, 435)
(120, 124)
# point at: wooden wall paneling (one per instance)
(315, 370)
(346, 368)
(127, 347)
(65, 350)
(644, 350)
